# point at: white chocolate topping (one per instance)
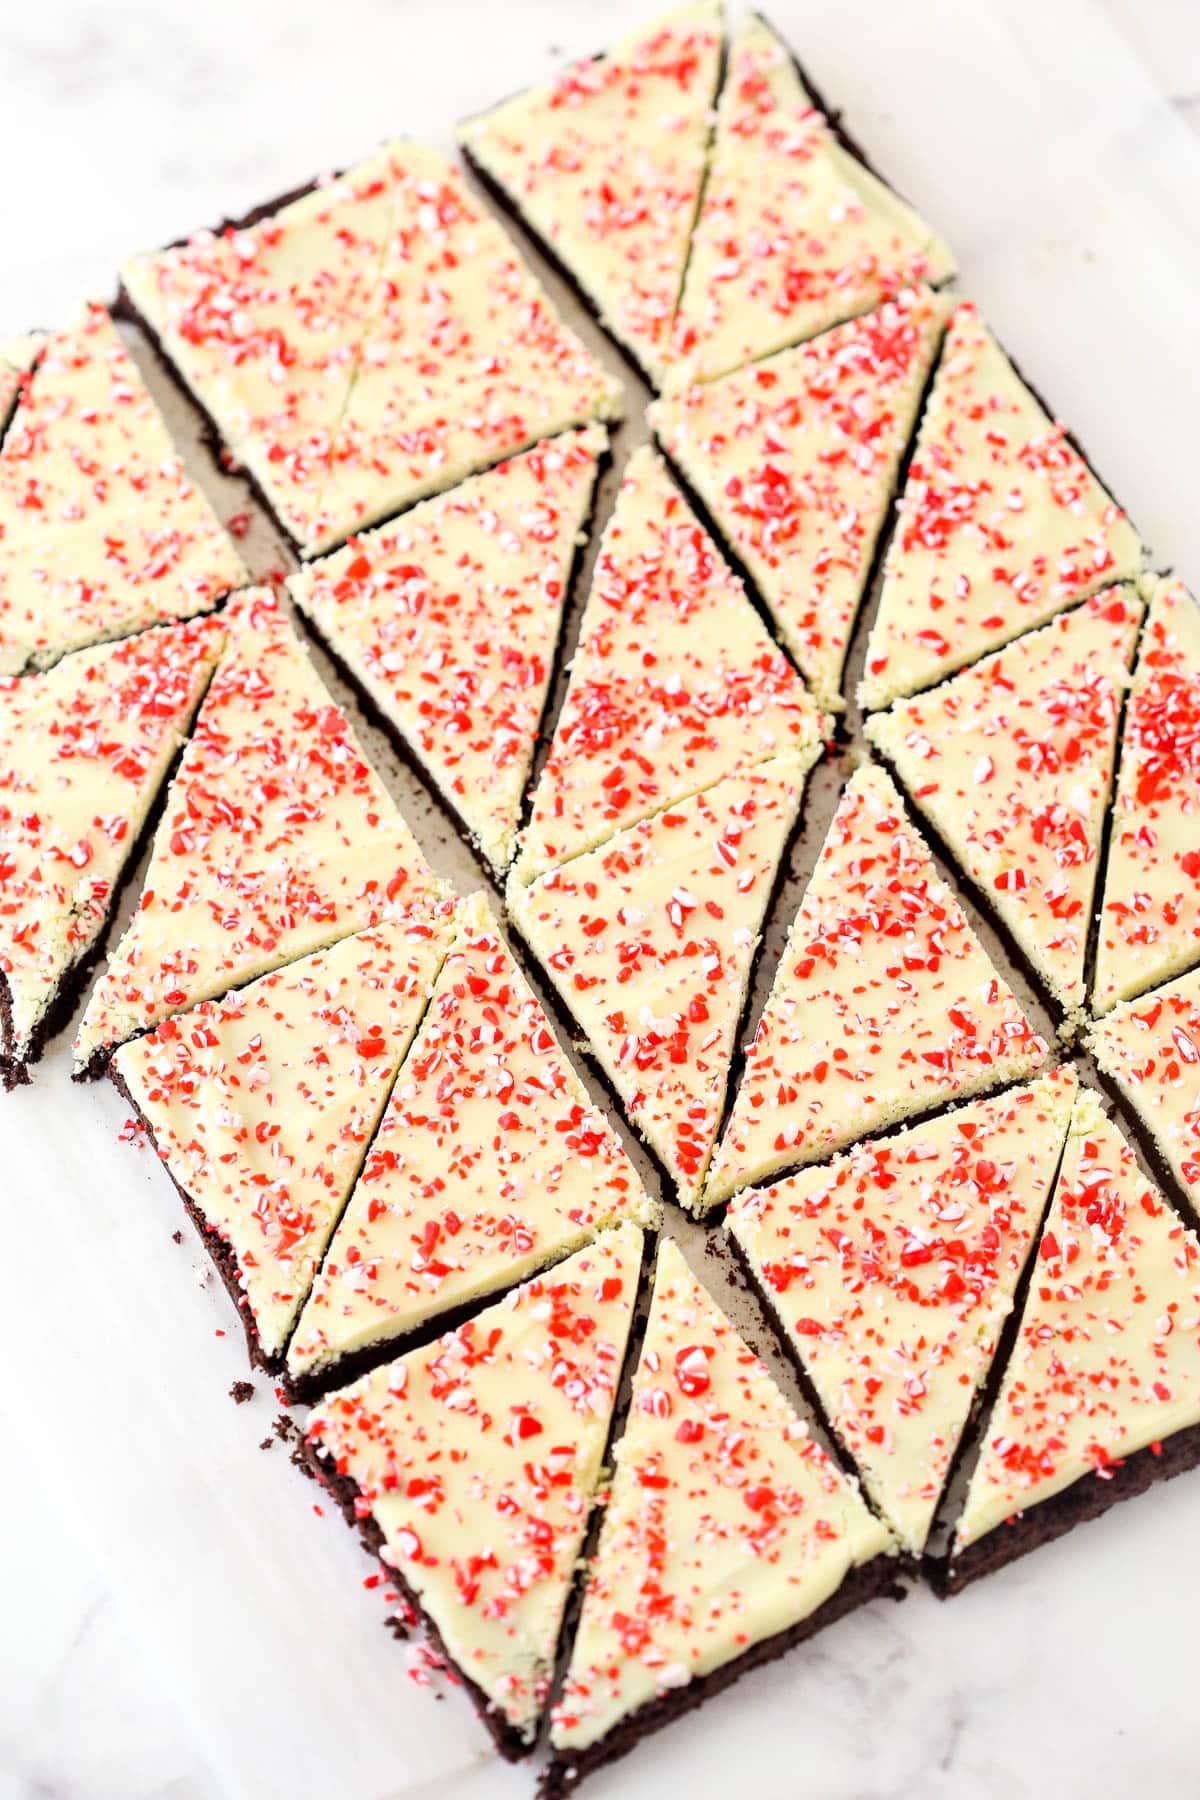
(892, 1271)
(1151, 1049)
(84, 749)
(1108, 1357)
(727, 1523)
(1001, 524)
(490, 1162)
(278, 839)
(675, 683)
(1150, 924)
(1012, 760)
(450, 620)
(262, 1104)
(464, 362)
(884, 1004)
(102, 531)
(795, 234)
(796, 460)
(650, 940)
(479, 1458)
(372, 342)
(606, 163)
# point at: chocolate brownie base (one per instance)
(1086, 1498)
(563, 1773)
(345, 1492)
(222, 1254)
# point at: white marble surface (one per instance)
(1074, 1673)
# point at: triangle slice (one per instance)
(464, 361)
(675, 683)
(102, 531)
(729, 1535)
(264, 324)
(795, 233)
(796, 460)
(449, 620)
(1150, 923)
(1105, 1371)
(278, 839)
(1151, 1048)
(471, 1467)
(84, 750)
(884, 1005)
(891, 1272)
(1012, 762)
(490, 1162)
(606, 162)
(262, 1105)
(650, 942)
(1001, 524)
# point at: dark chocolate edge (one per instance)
(223, 1255)
(869, 1581)
(344, 1491)
(1087, 1498)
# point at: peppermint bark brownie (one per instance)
(278, 840)
(891, 1272)
(326, 342)
(470, 1468)
(605, 164)
(102, 531)
(1001, 524)
(1150, 923)
(490, 1162)
(795, 233)
(729, 1535)
(449, 621)
(262, 1106)
(884, 1004)
(650, 941)
(1101, 1395)
(1012, 762)
(796, 460)
(17, 358)
(1150, 1047)
(675, 683)
(84, 751)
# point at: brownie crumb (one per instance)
(177, 1237)
(241, 1391)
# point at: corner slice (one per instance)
(464, 361)
(1001, 524)
(278, 840)
(84, 750)
(651, 940)
(1101, 1395)
(795, 234)
(675, 683)
(102, 531)
(796, 459)
(884, 1005)
(1012, 762)
(262, 1105)
(605, 164)
(729, 1536)
(449, 621)
(1150, 924)
(490, 1162)
(1151, 1048)
(470, 1467)
(892, 1271)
